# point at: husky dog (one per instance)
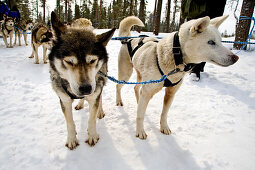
(82, 23)
(22, 27)
(7, 29)
(41, 35)
(76, 58)
(197, 41)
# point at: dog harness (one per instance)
(178, 57)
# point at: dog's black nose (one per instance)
(85, 89)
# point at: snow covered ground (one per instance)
(213, 121)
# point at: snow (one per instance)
(213, 120)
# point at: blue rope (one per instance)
(23, 32)
(163, 78)
(248, 40)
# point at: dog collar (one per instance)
(71, 95)
(178, 57)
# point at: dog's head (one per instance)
(29, 25)
(201, 42)
(77, 55)
(9, 21)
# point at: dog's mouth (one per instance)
(216, 63)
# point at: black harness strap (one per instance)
(167, 82)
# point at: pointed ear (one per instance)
(105, 37)
(57, 25)
(218, 21)
(199, 25)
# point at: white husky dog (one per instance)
(197, 41)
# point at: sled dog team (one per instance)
(78, 55)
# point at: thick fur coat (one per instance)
(76, 58)
(200, 41)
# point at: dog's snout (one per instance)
(234, 58)
(85, 89)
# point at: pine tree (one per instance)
(142, 12)
(23, 6)
(43, 2)
(172, 27)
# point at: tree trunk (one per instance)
(44, 1)
(66, 14)
(174, 13)
(100, 14)
(243, 27)
(168, 15)
(141, 13)
(131, 8)
(37, 10)
(157, 23)
(154, 15)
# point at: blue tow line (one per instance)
(23, 32)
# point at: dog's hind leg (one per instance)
(19, 36)
(25, 38)
(100, 113)
(45, 54)
(66, 106)
(137, 86)
(168, 99)
(125, 70)
(33, 51)
(80, 105)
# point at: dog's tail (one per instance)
(127, 23)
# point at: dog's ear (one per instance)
(218, 21)
(57, 25)
(105, 37)
(199, 25)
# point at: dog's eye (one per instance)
(69, 62)
(211, 42)
(92, 61)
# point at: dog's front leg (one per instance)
(93, 137)
(11, 35)
(66, 106)
(168, 99)
(15, 40)
(5, 41)
(35, 48)
(145, 95)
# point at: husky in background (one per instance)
(197, 41)
(7, 29)
(82, 23)
(41, 35)
(76, 58)
(22, 27)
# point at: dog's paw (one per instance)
(31, 56)
(37, 62)
(165, 130)
(141, 134)
(92, 139)
(100, 114)
(26, 44)
(119, 103)
(72, 142)
(79, 106)
(45, 62)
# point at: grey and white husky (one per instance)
(76, 58)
